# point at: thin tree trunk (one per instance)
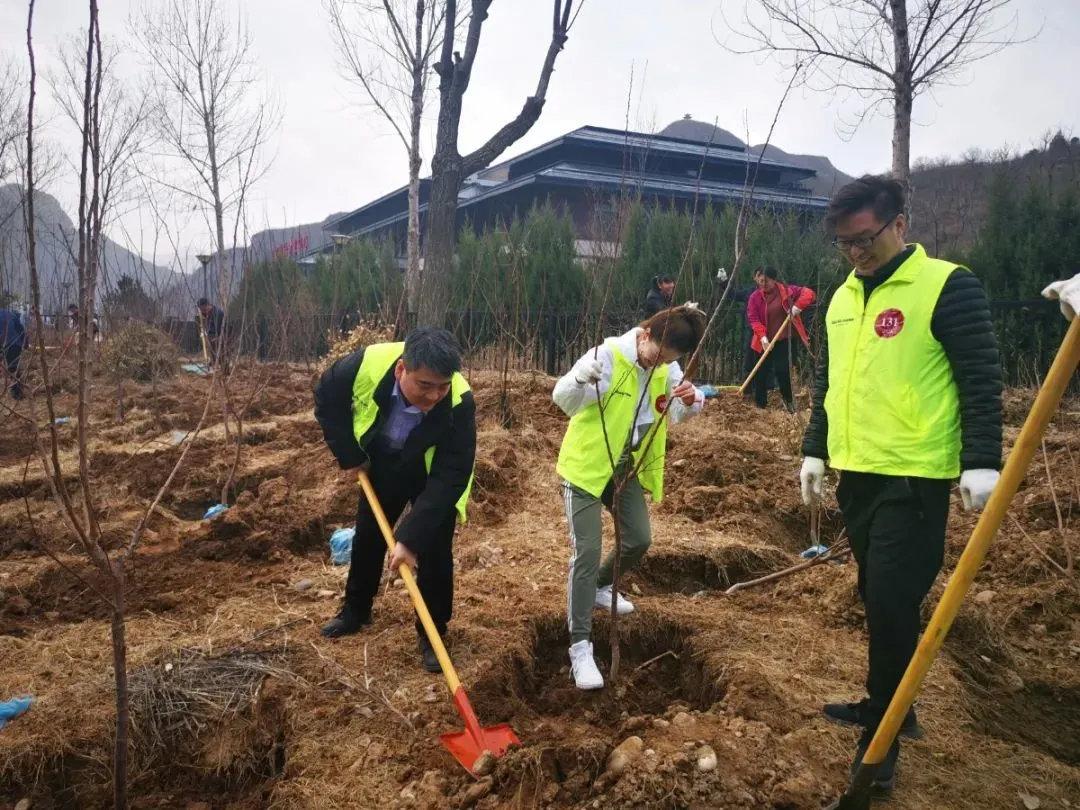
(616, 654)
(123, 722)
(416, 112)
(412, 250)
(903, 94)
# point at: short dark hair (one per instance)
(766, 270)
(664, 279)
(680, 328)
(432, 348)
(72, 306)
(882, 193)
(202, 302)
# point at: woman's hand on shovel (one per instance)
(402, 554)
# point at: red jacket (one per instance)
(756, 314)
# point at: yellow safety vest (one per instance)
(893, 406)
(583, 457)
(378, 359)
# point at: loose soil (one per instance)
(354, 722)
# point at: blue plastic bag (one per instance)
(10, 709)
(708, 391)
(814, 551)
(214, 511)
(341, 545)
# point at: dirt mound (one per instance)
(497, 477)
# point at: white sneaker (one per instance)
(603, 600)
(583, 666)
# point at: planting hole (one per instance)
(659, 667)
(691, 573)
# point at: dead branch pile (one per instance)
(140, 352)
(363, 334)
(207, 712)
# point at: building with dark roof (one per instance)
(586, 172)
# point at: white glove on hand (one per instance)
(764, 343)
(588, 370)
(1068, 292)
(721, 275)
(976, 486)
(812, 478)
(795, 310)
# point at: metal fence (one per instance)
(1029, 333)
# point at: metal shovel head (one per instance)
(466, 748)
(859, 792)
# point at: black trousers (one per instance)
(897, 531)
(11, 361)
(778, 363)
(395, 488)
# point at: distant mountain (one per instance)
(828, 179)
(57, 248)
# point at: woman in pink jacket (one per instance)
(767, 309)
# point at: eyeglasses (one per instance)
(861, 242)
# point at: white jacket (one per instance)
(571, 396)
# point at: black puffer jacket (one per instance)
(961, 323)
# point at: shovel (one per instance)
(816, 549)
(859, 792)
(467, 745)
(764, 354)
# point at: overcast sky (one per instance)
(332, 154)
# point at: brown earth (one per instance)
(355, 722)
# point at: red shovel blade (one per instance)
(467, 746)
(467, 749)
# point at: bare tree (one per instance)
(11, 116)
(77, 504)
(386, 47)
(121, 127)
(449, 167)
(207, 111)
(886, 52)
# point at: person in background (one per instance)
(404, 412)
(213, 324)
(907, 398)
(634, 376)
(741, 296)
(13, 339)
(660, 295)
(767, 310)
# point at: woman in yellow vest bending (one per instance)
(635, 375)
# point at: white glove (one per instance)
(764, 343)
(721, 275)
(795, 310)
(692, 305)
(588, 370)
(976, 486)
(1068, 292)
(812, 478)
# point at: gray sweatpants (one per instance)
(586, 572)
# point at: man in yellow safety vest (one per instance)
(907, 398)
(404, 412)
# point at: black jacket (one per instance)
(450, 430)
(961, 323)
(655, 301)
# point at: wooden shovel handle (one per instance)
(764, 354)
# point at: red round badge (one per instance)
(889, 323)
(661, 403)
